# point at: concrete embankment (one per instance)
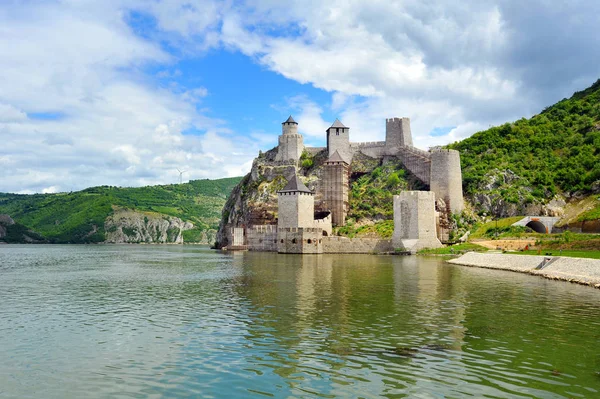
(576, 270)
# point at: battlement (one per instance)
(300, 230)
(265, 228)
(368, 144)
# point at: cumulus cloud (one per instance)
(78, 108)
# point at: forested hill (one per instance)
(80, 216)
(531, 160)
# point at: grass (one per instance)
(488, 230)
(592, 254)
(454, 249)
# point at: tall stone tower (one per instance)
(335, 188)
(290, 142)
(296, 205)
(414, 221)
(446, 178)
(397, 132)
(338, 139)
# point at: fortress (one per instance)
(417, 214)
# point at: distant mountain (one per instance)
(187, 212)
(528, 163)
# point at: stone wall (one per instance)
(373, 149)
(345, 245)
(324, 224)
(446, 178)
(414, 221)
(300, 240)
(262, 238)
(418, 162)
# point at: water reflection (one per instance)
(110, 321)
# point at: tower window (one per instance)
(337, 131)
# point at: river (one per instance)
(141, 321)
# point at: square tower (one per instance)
(338, 139)
(335, 188)
(414, 221)
(296, 205)
(397, 132)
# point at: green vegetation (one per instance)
(502, 227)
(592, 214)
(78, 217)
(381, 229)
(569, 253)
(555, 151)
(371, 197)
(307, 160)
(454, 249)
(371, 194)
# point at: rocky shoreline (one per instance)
(575, 270)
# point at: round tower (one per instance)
(291, 144)
(446, 178)
(290, 126)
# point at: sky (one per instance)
(128, 92)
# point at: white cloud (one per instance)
(443, 64)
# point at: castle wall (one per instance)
(397, 132)
(335, 191)
(374, 149)
(414, 221)
(338, 139)
(324, 224)
(314, 150)
(300, 240)
(295, 209)
(418, 162)
(262, 238)
(345, 245)
(446, 178)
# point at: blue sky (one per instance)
(124, 92)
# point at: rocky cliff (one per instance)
(128, 226)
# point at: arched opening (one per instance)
(324, 234)
(293, 241)
(282, 241)
(537, 226)
(309, 241)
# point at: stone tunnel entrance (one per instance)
(537, 226)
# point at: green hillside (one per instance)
(530, 160)
(73, 217)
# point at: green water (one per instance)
(185, 321)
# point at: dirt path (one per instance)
(506, 244)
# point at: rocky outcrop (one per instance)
(128, 226)
(5, 221)
(502, 193)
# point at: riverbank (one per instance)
(576, 270)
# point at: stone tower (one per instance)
(446, 178)
(397, 132)
(338, 139)
(335, 188)
(296, 204)
(290, 142)
(414, 221)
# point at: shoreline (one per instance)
(582, 271)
